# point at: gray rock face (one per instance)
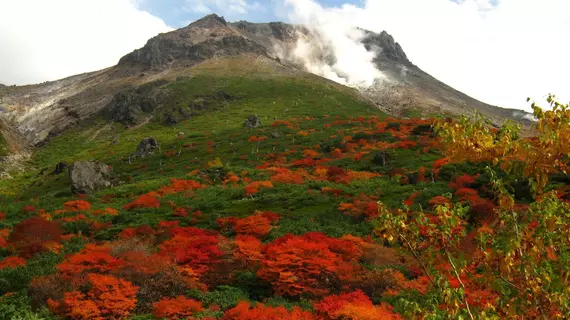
(203, 39)
(389, 48)
(146, 147)
(129, 106)
(252, 122)
(89, 176)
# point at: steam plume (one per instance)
(333, 46)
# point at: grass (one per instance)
(219, 134)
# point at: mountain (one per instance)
(38, 112)
(208, 176)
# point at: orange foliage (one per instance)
(308, 264)
(244, 311)
(29, 236)
(176, 308)
(180, 212)
(254, 187)
(439, 200)
(438, 164)
(353, 306)
(3, 242)
(179, 185)
(12, 262)
(247, 251)
(257, 139)
(279, 123)
(106, 211)
(192, 247)
(77, 205)
(256, 225)
(362, 206)
(145, 201)
(92, 258)
(107, 298)
(410, 201)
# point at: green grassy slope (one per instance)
(322, 118)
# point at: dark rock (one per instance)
(386, 44)
(129, 106)
(171, 120)
(59, 168)
(380, 158)
(252, 122)
(147, 147)
(89, 176)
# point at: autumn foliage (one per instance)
(176, 308)
(312, 264)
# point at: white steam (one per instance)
(524, 115)
(333, 48)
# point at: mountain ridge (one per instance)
(38, 112)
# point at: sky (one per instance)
(498, 51)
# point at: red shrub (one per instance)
(439, 200)
(144, 201)
(77, 205)
(142, 232)
(353, 306)
(3, 242)
(180, 212)
(176, 308)
(362, 207)
(308, 264)
(12, 262)
(288, 176)
(244, 311)
(107, 298)
(2, 216)
(29, 236)
(410, 201)
(179, 185)
(91, 259)
(247, 251)
(192, 247)
(106, 211)
(464, 181)
(257, 225)
(254, 187)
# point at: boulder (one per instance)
(252, 122)
(146, 147)
(89, 176)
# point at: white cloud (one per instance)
(48, 40)
(500, 54)
(224, 7)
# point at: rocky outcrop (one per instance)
(129, 106)
(89, 176)
(146, 147)
(252, 122)
(385, 45)
(203, 39)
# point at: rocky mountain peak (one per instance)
(389, 47)
(209, 21)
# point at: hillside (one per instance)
(233, 185)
